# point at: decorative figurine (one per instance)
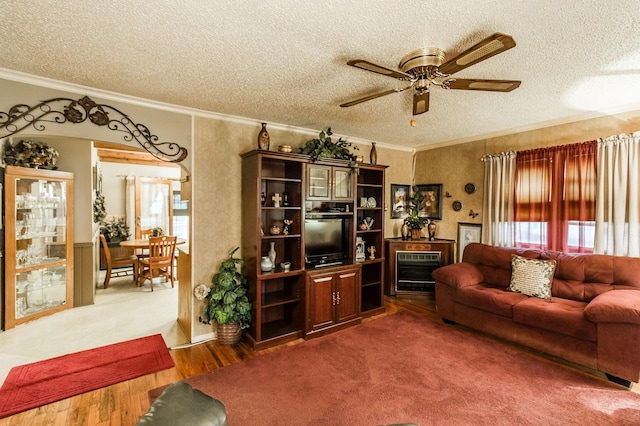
(372, 252)
(276, 200)
(360, 254)
(368, 223)
(287, 224)
(274, 230)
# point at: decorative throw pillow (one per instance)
(532, 277)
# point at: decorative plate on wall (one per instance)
(470, 188)
(457, 206)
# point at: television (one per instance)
(325, 241)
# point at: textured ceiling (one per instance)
(284, 61)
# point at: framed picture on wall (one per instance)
(399, 196)
(468, 233)
(432, 207)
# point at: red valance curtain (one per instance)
(555, 191)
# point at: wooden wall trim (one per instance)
(129, 157)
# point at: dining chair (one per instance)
(159, 262)
(143, 253)
(118, 262)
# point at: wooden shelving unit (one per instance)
(277, 296)
(370, 186)
(288, 305)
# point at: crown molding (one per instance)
(49, 83)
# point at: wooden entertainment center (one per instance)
(319, 218)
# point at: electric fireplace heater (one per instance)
(413, 271)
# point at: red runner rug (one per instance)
(402, 368)
(40, 383)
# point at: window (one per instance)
(555, 195)
(180, 216)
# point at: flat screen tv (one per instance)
(325, 241)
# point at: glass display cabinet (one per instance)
(38, 243)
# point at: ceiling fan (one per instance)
(423, 68)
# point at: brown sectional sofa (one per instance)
(593, 318)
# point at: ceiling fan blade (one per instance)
(374, 96)
(490, 46)
(420, 102)
(370, 66)
(488, 85)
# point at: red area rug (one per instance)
(40, 383)
(402, 368)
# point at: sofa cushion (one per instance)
(495, 262)
(458, 275)
(622, 306)
(532, 277)
(563, 316)
(489, 299)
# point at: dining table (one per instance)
(143, 243)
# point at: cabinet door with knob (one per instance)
(333, 298)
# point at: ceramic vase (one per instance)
(272, 254)
(432, 230)
(373, 154)
(263, 138)
(405, 231)
(265, 264)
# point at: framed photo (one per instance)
(432, 207)
(399, 197)
(468, 233)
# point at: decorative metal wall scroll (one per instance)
(63, 110)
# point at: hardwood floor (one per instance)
(124, 403)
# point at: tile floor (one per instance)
(121, 312)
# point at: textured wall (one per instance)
(399, 172)
(454, 166)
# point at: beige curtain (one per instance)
(130, 203)
(618, 203)
(498, 202)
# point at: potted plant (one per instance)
(415, 221)
(227, 301)
(114, 229)
(324, 147)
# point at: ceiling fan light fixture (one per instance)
(426, 66)
(428, 57)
